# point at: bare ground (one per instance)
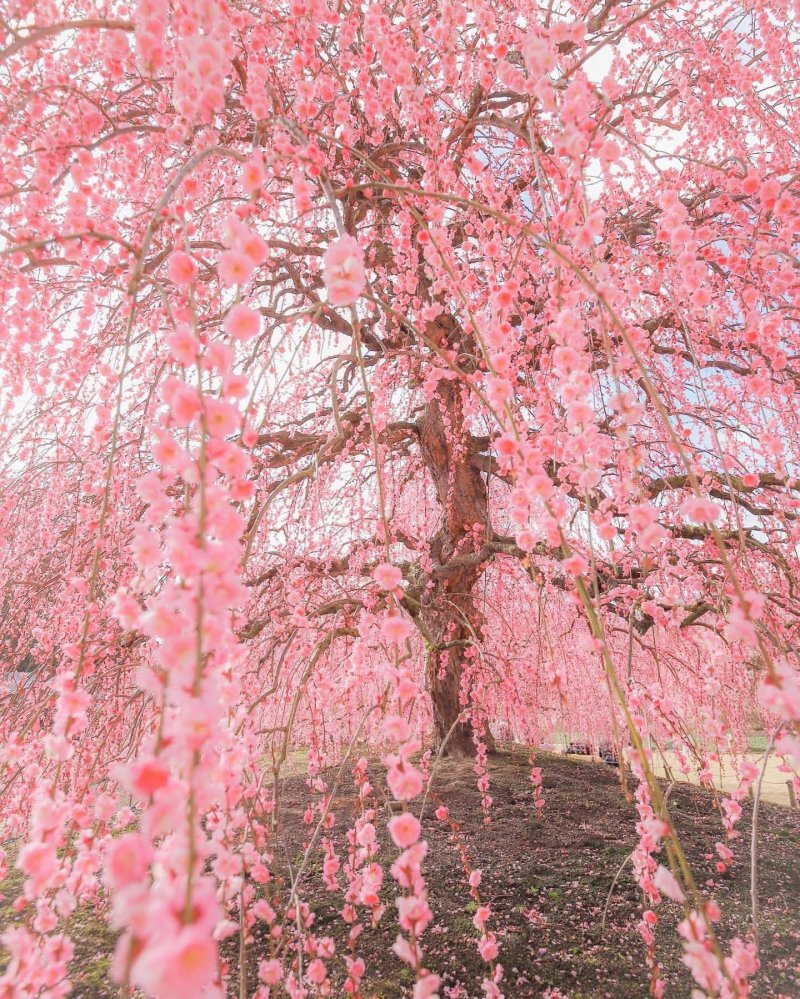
(547, 881)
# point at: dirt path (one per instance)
(773, 788)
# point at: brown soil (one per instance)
(548, 881)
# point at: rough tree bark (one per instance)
(448, 615)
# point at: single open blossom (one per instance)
(270, 971)
(487, 947)
(396, 728)
(145, 777)
(38, 862)
(183, 344)
(667, 884)
(405, 782)
(343, 271)
(253, 174)
(701, 510)
(576, 565)
(127, 860)
(242, 322)
(185, 405)
(427, 987)
(395, 629)
(387, 576)
(221, 418)
(235, 267)
(182, 963)
(181, 268)
(404, 830)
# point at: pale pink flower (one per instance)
(576, 565)
(221, 417)
(263, 910)
(732, 809)
(413, 913)
(127, 860)
(404, 950)
(253, 246)
(270, 971)
(667, 884)
(242, 323)
(481, 916)
(166, 450)
(366, 834)
(387, 576)
(183, 344)
(395, 629)
(235, 267)
(181, 268)
(396, 728)
(404, 830)
(427, 987)
(317, 972)
(343, 271)
(405, 783)
(700, 510)
(38, 862)
(181, 964)
(253, 174)
(235, 386)
(487, 947)
(185, 405)
(125, 608)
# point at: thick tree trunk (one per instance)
(443, 676)
(448, 614)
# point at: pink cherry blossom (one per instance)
(343, 271)
(387, 576)
(242, 323)
(235, 267)
(127, 860)
(185, 963)
(395, 629)
(667, 884)
(181, 269)
(700, 510)
(404, 830)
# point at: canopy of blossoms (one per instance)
(417, 375)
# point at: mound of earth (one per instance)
(548, 881)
